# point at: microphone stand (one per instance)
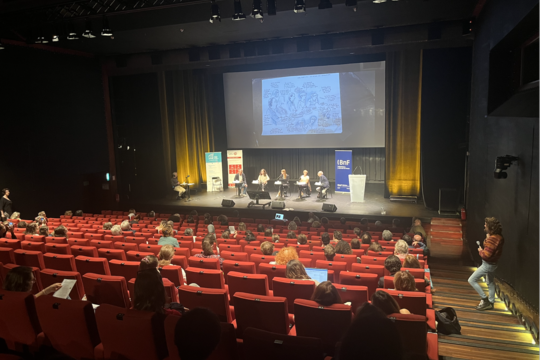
(188, 199)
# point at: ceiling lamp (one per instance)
(71, 34)
(238, 13)
(257, 11)
(106, 28)
(215, 13)
(88, 30)
(299, 6)
(325, 4)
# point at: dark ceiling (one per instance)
(174, 25)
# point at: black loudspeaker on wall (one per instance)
(227, 203)
(278, 205)
(329, 207)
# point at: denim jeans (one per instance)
(485, 270)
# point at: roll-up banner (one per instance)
(234, 163)
(213, 169)
(343, 170)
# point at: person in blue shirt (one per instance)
(325, 185)
(167, 238)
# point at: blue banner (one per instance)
(343, 170)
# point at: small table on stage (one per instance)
(238, 185)
(188, 198)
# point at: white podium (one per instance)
(357, 185)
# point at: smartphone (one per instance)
(42, 219)
(10, 224)
(478, 243)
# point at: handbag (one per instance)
(447, 321)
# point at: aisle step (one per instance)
(436, 227)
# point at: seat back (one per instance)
(383, 254)
(35, 238)
(234, 256)
(78, 242)
(180, 260)
(56, 248)
(90, 251)
(51, 276)
(102, 244)
(293, 289)
(264, 345)
(216, 300)
(29, 258)
(204, 263)
(93, 236)
(272, 271)
(416, 273)
(106, 289)
(112, 254)
(356, 295)
(154, 249)
(261, 312)
(412, 330)
(373, 260)
(62, 319)
(258, 259)
(349, 259)
(337, 266)
(33, 246)
(59, 262)
(207, 278)
(173, 273)
(368, 269)
(93, 265)
(136, 255)
(19, 324)
(12, 244)
(247, 267)
(171, 294)
(142, 333)
(126, 246)
(327, 323)
(7, 256)
(247, 283)
(313, 255)
(361, 279)
(414, 301)
(127, 269)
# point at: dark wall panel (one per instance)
(53, 129)
(513, 201)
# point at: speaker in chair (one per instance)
(278, 205)
(227, 203)
(329, 207)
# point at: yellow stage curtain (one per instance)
(184, 99)
(403, 105)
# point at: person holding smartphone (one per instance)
(5, 228)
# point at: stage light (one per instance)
(502, 163)
(325, 4)
(351, 2)
(238, 13)
(1, 46)
(379, 1)
(257, 10)
(88, 30)
(55, 38)
(271, 7)
(107, 176)
(299, 6)
(72, 35)
(215, 12)
(106, 28)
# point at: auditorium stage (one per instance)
(372, 206)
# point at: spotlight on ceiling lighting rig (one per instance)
(215, 13)
(257, 10)
(299, 6)
(238, 13)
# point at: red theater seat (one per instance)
(247, 267)
(127, 269)
(95, 265)
(29, 258)
(370, 269)
(35, 238)
(207, 278)
(51, 276)
(126, 246)
(361, 279)
(55, 240)
(268, 313)
(68, 319)
(180, 261)
(232, 248)
(102, 244)
(272, 271)
(59, 262)
(293, 289)
(349, 259)
(356, 295)
(204, 263)
(216, 300)
(19, 323)
(106, 289)
(247, 283)
(155, 249)
(92, 236)
(78, 242)
(173, 273)
(12, 244)
(336, 266)
(7, 256)
(235, 256)
(136, 255)
(89, 251)
(258, 259)
(33, 246)
(112, 254)
(55, 248)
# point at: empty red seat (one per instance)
(356, 295)
(33, 246)
(90, 251)
(247, 283)
(247, 267)
(173, 273)
(180, 261)
(361, 279)
(19, 324)
(142, 334)
(328, 323)
(204, 263)
(268, 313)
(216, 300)
(114, 238)
(112, 254)
(413, 331)
(7, 256)
(135, 239)
(336, 266)
(106, 289)
(383, 254)
(29, 258)
(102, 244)
(182, 252)
(293, 289)
(12, 244)
(349, 259)
(55, 248)
(272, 271)
(34, 238)
(370, 269)
(137, 255)
(93, 265)
(126, 246)
(258, 259)
(93, 236)
(51, 276)
(78, 242)
(59, 262)
(127, 269)
(231, 255)
(55, 240)
(150, 248)
(208, 278)
(373, 260)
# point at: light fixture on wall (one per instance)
(502, 163)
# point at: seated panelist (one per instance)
(263, 178)
(304, 179)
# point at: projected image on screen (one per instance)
(299, 105)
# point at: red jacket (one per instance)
(493, 247)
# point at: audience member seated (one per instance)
(419, 240)
(211, 229)
(357, 232)
(223, 220)
(411, 262)
(297, 220)
(107, 226)
(326, 294)
(197, 334)
(44, 230)
(42, 215)
(161, 225)
(267, 248)
(375, 246)
(116, 230)
(404, 281)
(175, 218)
(366, 238)
(188, 232)
(21, 224)
(249, 237)
(312, 217)
(79, 213)
(395, 223)
(292, 226)
(355, 244)
(208, 251)
(343, 248)
(16, 215)
(242, 226)
(364, 222)
(392, 264)
(417, 227)
(371, 336)
(324, 222)
(149, 290)
(21, 279)
(132, 214)
(190, 219)
(268, 232)
(401, 250)
(315, 225)
(291, 235)
(126, 226)
(275, 237)
(285, 255)
(387, 235)
(165, 255)
(68, 213)
(31, 229)
(329, 252)
(338, 236)
(167, 238)
(386, 303)
(378, 223)
(342, 220)
(302, 239)
(193, 213)
(225, 234)
(295, 270)
(60, 231)
(151, 214)
(325, 238)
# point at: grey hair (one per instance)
(387, 235)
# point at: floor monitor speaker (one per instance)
(329, 207)
(227, 203)
(278, 205)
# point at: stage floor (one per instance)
(373, 205)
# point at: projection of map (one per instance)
(298, 105)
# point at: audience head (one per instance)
(404, 281)
(211, 229)
(275, 237)
(107, 226)
(15, 215)
(342, 220)
(165, 255)
(116, 230)
(197, 334)
(241, 226)
(31, 229)
(355, 244)
(343, 247)
(418, 237)
(250, 237)
(188, 232)
(368, 335)
(149, 290)
(60, 231)
(357, 232)
(208, 248)
(190, 219)
(44, 230)
(193, 213)
(68, 213)
(329, 252)
(149, 262)
(302, 239)
(338, 235)
(260, 228)
(175, 218)
(325, 238)
(392, 264)
(375, 246)
(378, 223)
(167, 231)
(291, 235)
(364, 221)
(151, 214)
(385, 302)
(297, 220)
(20, 279)
(267, 248)
(316, 224)
(21, 224)
(411, 262)
(324, 220)
(268, 232)
(326, 294)
(417, 222)
(225, 234)
(236, 213)
(285, 255)
(311, 215)
(395, 223)
(292, 226)
(387, 235)
(401, 248)
(207, 216)
(170, 223)
(125, 225)
(408, 239)
(42, 214)
(295, 270)
(79, 213)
